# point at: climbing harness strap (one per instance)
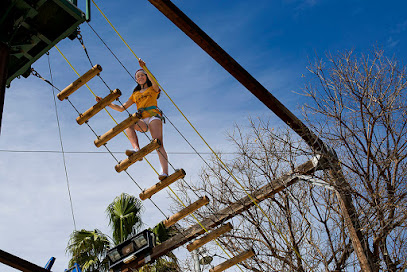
(151, 111)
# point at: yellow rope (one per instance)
(118, 34)
(228, 170)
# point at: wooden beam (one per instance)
(209, 237)
(193, 31)
(71, 88)
(124, 164)
(232, 210)
(235, 260)
(186, 211)
(82, 118)
(178, 174)
(132, 119)
(18, 263)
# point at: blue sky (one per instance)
(272, 40)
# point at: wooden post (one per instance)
(209, 237)
(71, 88)
(98, 107)
(186, 211)
(162, 184)
(124, 164)
(117, 129)
(239, 258)
(19, 264)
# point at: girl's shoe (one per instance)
(162, 176)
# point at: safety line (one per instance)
(230, 173)
(60, 141)
(114, 29)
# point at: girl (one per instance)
(145, 96)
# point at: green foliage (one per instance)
(167, 263)
(123, 215)
(88, 249)
(162, 233)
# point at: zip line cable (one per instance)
(224, 165)
(61, 143)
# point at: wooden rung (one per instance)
(71, 88)
(124, 164)
(186, 211)
(162, 184)
(117, 129)
(209, 237)
(239, 258)
(98, 106)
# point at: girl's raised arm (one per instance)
(155, 84)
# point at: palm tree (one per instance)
(123, 215)
(88, 249)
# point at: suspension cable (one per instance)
(61, 143)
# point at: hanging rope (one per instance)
(60, 141)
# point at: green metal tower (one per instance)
(29, 29)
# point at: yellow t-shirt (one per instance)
(146, 99)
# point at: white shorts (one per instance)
(148, 120)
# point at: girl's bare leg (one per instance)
(130, 131)
(156, 130)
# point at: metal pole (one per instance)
(4, 55)
(197, 265)
(87, 10)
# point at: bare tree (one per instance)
(359, 107)
(303, 229)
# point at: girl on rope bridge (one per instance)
(145, 96)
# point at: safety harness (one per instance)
(151, 111)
